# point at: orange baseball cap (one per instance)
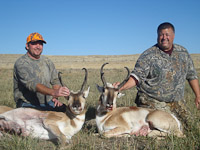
(33, 37)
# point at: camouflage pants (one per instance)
(179, 108)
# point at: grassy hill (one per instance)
(90, 62)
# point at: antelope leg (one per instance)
(11, 127)
(118, 132)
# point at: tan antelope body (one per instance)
(112, 121)
(4, 109)
(48, 125)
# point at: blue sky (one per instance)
(97, 27)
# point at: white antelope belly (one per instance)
(36, 129)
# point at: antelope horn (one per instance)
(60, 79)
(102, 75)
(85, 80)
(125, 80)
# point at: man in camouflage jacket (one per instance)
(36, 82)
(160, 73)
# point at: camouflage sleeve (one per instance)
(54, 74)
(26, 76)
(191, 74)
(142, 67)
(29, 73)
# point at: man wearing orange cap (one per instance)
(36, 82)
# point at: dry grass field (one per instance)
(78, 62)
(88, 138)
(90, 62)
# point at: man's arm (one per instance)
(57, 91)
(194, 84)
(129, 84)
(55, 100)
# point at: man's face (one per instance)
(34, 49)
(165, 39)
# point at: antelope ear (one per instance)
(100, 88)
(119, 95)
(86, 93)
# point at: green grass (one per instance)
(88, 138)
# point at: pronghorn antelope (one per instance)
(49, 125)
(4, 109)
(112, 121)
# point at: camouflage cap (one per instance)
(33, 37)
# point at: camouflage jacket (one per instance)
(162, 76)
(28, 73)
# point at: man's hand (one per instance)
(62, 91)
(195, 87)
(129, 84)
(116, 84)
(197, 102)
(57, 103)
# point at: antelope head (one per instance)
(76, 101)
(109, 94)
